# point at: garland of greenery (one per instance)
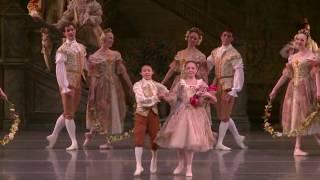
(267, 126)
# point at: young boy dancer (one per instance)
(146, 116)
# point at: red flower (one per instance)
(194, 101)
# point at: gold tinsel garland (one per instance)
(113, 138)
(298, 131)
(14, 117)
(307, 122)
(110, 138)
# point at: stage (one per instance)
(27, 159)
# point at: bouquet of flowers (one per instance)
(197, 99)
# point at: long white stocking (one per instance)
(234, 131)
(138, 153)
(153, 163)
(71, 128)
(52, 138)
(233, 128)
(223, 127)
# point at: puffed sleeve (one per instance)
(173, 95)
(161, 88)
(238, 77)
(120, 68)
(287, 50)
(61, 72)
(314, 59)
(92, 67)
(314, 45)
(175, 64)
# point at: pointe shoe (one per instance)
(106, 146)
(222, 147)
(88, 137)
(189, 172)
(299, 152)
(178, 170)
(138, 171)
(239, 141)
(74, 146)
(52, 141)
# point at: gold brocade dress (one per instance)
(300, 99)
(106, 103)
(181, 58)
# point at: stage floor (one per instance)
(27, 159)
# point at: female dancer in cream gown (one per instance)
(106, 109)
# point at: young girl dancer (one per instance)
(187, 128)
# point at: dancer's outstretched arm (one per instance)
(275, 89)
